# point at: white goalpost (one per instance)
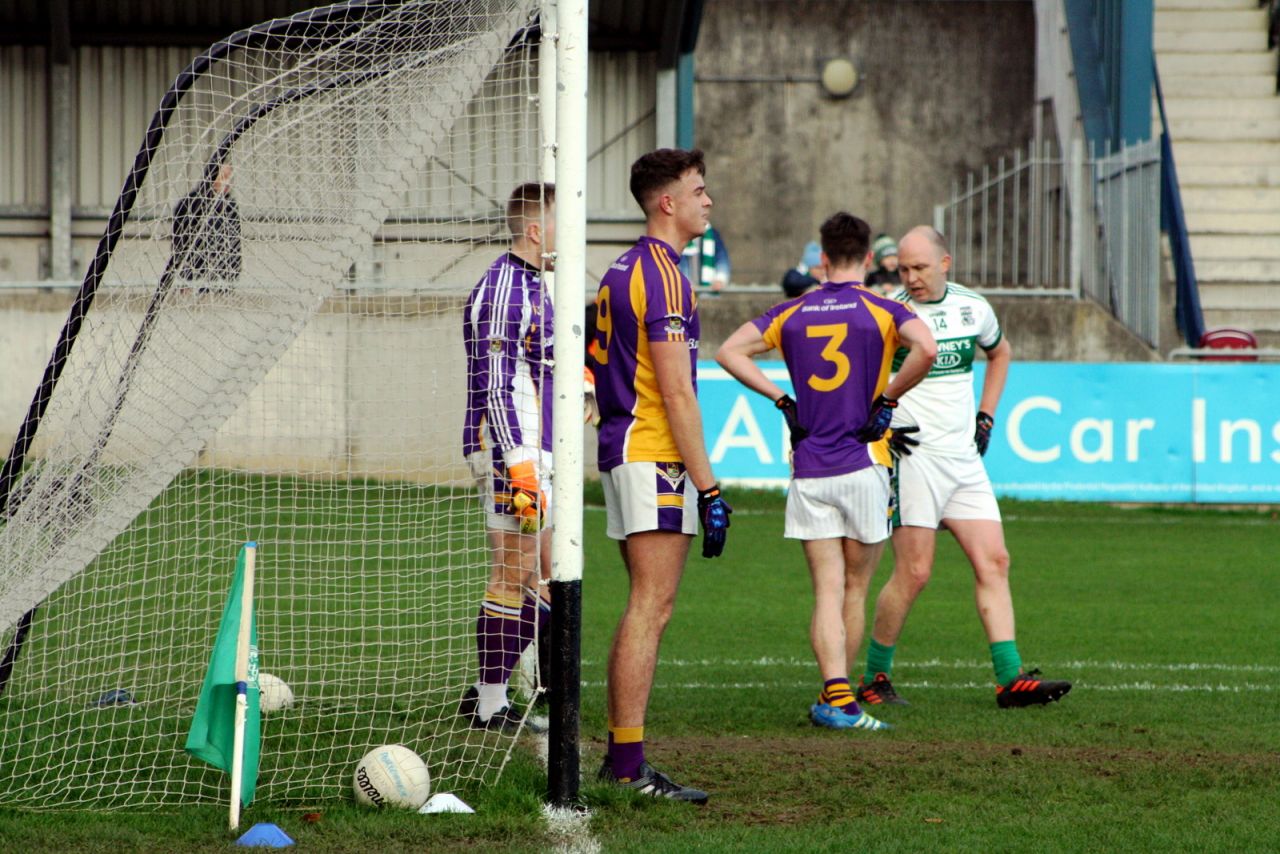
(268, 346)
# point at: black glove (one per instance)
(788, 408)
(982, 436)
(877, 421)
(900, 441)
(714, 512)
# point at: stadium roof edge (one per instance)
(669, 27)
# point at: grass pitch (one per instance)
(1164, 619)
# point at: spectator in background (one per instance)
(806, 275)
(206, 233)
(885, 278)
(705, 261)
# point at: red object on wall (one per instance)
(1226, 338)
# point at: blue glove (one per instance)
(877, 422)
(714, 512)
(982, 436)
(787, 406)
(901, 441)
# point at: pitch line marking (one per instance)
(571, 830)
(974, 664)
(599, 508)
(1110, 520)
(1228, 521)
(1247, 687)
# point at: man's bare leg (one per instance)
(655, 563)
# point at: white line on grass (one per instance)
(570, 829)
(957, 686)
(1123, 686)
(973, 664)
(1225, 521)
(746, 511)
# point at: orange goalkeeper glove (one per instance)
(527, 497)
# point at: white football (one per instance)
(274, 693)
(392, 775)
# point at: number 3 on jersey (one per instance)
(604, 326)
(835, 333)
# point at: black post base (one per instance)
(564, 692)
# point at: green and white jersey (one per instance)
(942, 405)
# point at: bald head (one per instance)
(930, 236)
(923, 263)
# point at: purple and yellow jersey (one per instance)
(643, 298)
(508, 330)
(838, 343)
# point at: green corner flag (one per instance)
(212, 734)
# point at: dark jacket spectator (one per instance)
(206, 232)
(805, 275)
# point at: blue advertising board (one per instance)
(1076, 431)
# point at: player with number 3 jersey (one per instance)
(838, 343)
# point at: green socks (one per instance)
(1005, 660)
(880, 660)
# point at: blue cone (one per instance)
(264, 834)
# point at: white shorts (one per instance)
(643, 497)
(495, 490)
(930, 488)
(853, 506)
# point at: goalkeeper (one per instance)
(507, 330)
(943, 482)
(837, 341)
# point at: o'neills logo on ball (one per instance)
(393, 771)
(366, 786)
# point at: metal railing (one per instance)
(1047, 223)
(1273, 31)
(1173, 220)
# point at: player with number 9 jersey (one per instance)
(643, 298)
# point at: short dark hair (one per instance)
(528, 201)
(845, 238)
(659, 169)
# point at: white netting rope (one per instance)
(310, 398)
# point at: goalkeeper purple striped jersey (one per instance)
(838, 342)
(643, 298)
(508, 333)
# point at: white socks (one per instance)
(492, 699)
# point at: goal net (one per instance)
(269, 347)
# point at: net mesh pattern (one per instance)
(274, 353)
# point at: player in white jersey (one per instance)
(942, 481)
